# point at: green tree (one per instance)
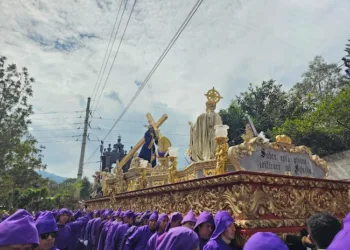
(321, 81)
(267, 105)
(19, 156)
(86, 187)
(326, 130)
(347, 48)
(234, 117)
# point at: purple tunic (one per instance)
(265, 241)
(342, 240)
(103, 235)
(63, 237)
(109, 243)
(75, 228)
(138, 240)
(204, 217)
(94, 232)
(179, 238)
(222, 221)
(151, 243)
(118, 236)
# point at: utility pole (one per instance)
(83, 144)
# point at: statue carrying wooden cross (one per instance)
(153, 126)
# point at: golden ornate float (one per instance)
(265, 185)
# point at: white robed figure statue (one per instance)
(202, 133)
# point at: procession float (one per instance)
(266, 186)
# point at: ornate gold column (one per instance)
(222, 146)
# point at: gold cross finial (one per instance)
(213, 96)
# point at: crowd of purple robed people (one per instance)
(128, 230)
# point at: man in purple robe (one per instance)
(175, 221)
(189, 220)
(265, 241)
(112, 229)
(148, 150)
(138, 240)
(223, 234)
(204, 228)
(75, 227)
(64, 232)
(87, 235)
(104, 229)
(162, 222)
(342, 240)
(94, 230)
(129, 219)
(180, 238)
(18, 231)
(47, 229)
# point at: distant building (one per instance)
(110, 156)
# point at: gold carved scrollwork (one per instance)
(252, 198)
(221, 154)
(209, 172)
(158, 183)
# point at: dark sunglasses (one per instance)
(46, 235)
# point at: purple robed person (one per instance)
(223, 234)
(204, 228)
(265, 241)
(47, 229)
(148, 149)
(179, 238)
(189, 220)
(342, 240)
(75, 227)
(129, 218)
(138, 240)
(160, 228)
(64, 232)
(104, 229)
(19, 229)
(87, 234)
(175, 221)
(94, 229)
(109, 243)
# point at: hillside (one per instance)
(53, 177)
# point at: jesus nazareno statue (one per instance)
(148, 150)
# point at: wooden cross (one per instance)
(138, 145)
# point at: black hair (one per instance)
(322, 228)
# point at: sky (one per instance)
(227, 45)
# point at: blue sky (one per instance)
(228, 44)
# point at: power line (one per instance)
(58, 124)
(97, 84)
(54, 129)
(57, 118)
(57, 112)
(117, 52)
(63, 136)
(172, 41)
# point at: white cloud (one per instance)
(228, 44)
